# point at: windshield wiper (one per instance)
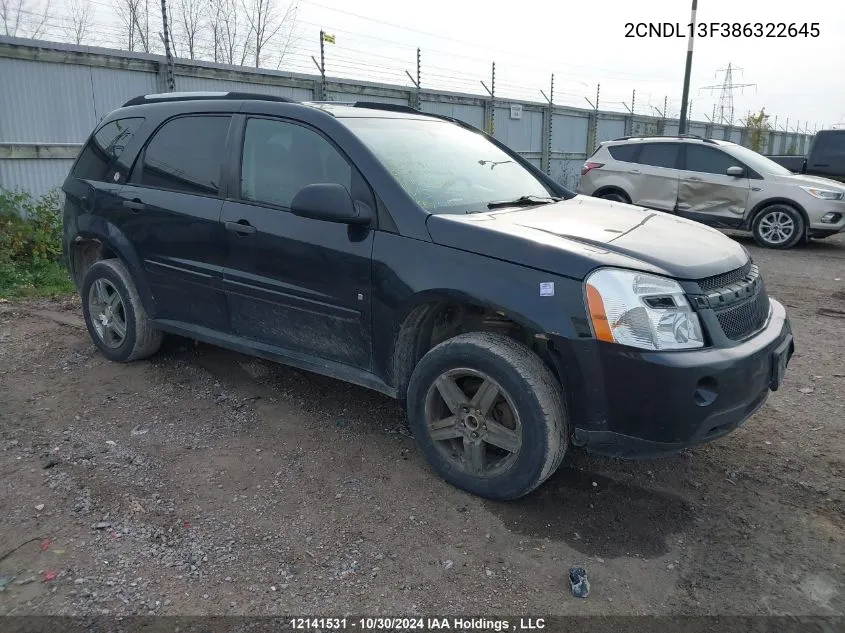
(523, 201)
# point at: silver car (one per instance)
(718, 183)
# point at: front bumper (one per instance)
(630, 403)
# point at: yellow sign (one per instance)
(328, 38)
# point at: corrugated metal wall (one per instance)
(62, 91)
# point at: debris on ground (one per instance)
(50, 575)
(578, 582)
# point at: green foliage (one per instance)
(31, 246)
(758, 125)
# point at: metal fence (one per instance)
(54, 94)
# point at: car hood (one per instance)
(575, 236)
(810, 181)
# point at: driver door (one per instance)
(291, 282)
(706, 192)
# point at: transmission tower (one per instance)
(725, 110)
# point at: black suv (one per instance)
(415, 255)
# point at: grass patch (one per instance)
(45, 279)
(31, 246)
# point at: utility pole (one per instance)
(492, 92)
(321, 66)
(682, 124)
(416, 82)
(171, 81)
(546, 160)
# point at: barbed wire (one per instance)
(351, 60)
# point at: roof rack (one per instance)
(693, 136)
(199, 96)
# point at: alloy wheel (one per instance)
(473, 422)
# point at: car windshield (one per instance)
(444, 167)
(758, 162)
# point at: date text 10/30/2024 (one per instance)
(417, 623)
(722, 29)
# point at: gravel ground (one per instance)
(206, 482)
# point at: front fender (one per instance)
(408, 273)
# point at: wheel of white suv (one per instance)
(614, 196)
(488, 415)
(778, 226)
(114, 315)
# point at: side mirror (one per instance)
(330, 202)
(736, 171)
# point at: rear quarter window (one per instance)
(625, 153)
(831, 145)
(98, 158)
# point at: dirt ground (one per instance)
(207, 482)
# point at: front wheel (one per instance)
(488, 415)
(778, 226)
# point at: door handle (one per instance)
(241, 227)
(135, 205)
(634, 171)
(694, 179)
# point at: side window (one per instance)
(280, 158)
(186, 154)
(708, 160)
(832, 145)
(106, 145)
(659, 154)
(625, 153)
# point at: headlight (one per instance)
(641, 310)
(824, 194)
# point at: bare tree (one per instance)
(134, 15)
(21, 18)
(80, 21)
(190, 22)
(264, 23)
(214, 16)
(289, 35)
(230, 32)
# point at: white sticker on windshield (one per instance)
(547, 289)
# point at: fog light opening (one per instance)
(831, 218)
(706, 392)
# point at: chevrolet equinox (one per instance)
(415, 255)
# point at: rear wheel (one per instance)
(114, 315)
(615, 196)
(778, 226)
(488, 415)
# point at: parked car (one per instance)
(415, 255)
(717, 183)
(826, 157)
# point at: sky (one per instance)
(797, 79)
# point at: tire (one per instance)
(114, 314)
(526, 386)
(778, 226)
(615, 196)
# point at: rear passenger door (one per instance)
(296, 283)
(171, 208)
(655, 176)
(706, 192)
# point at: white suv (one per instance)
(718, 183)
